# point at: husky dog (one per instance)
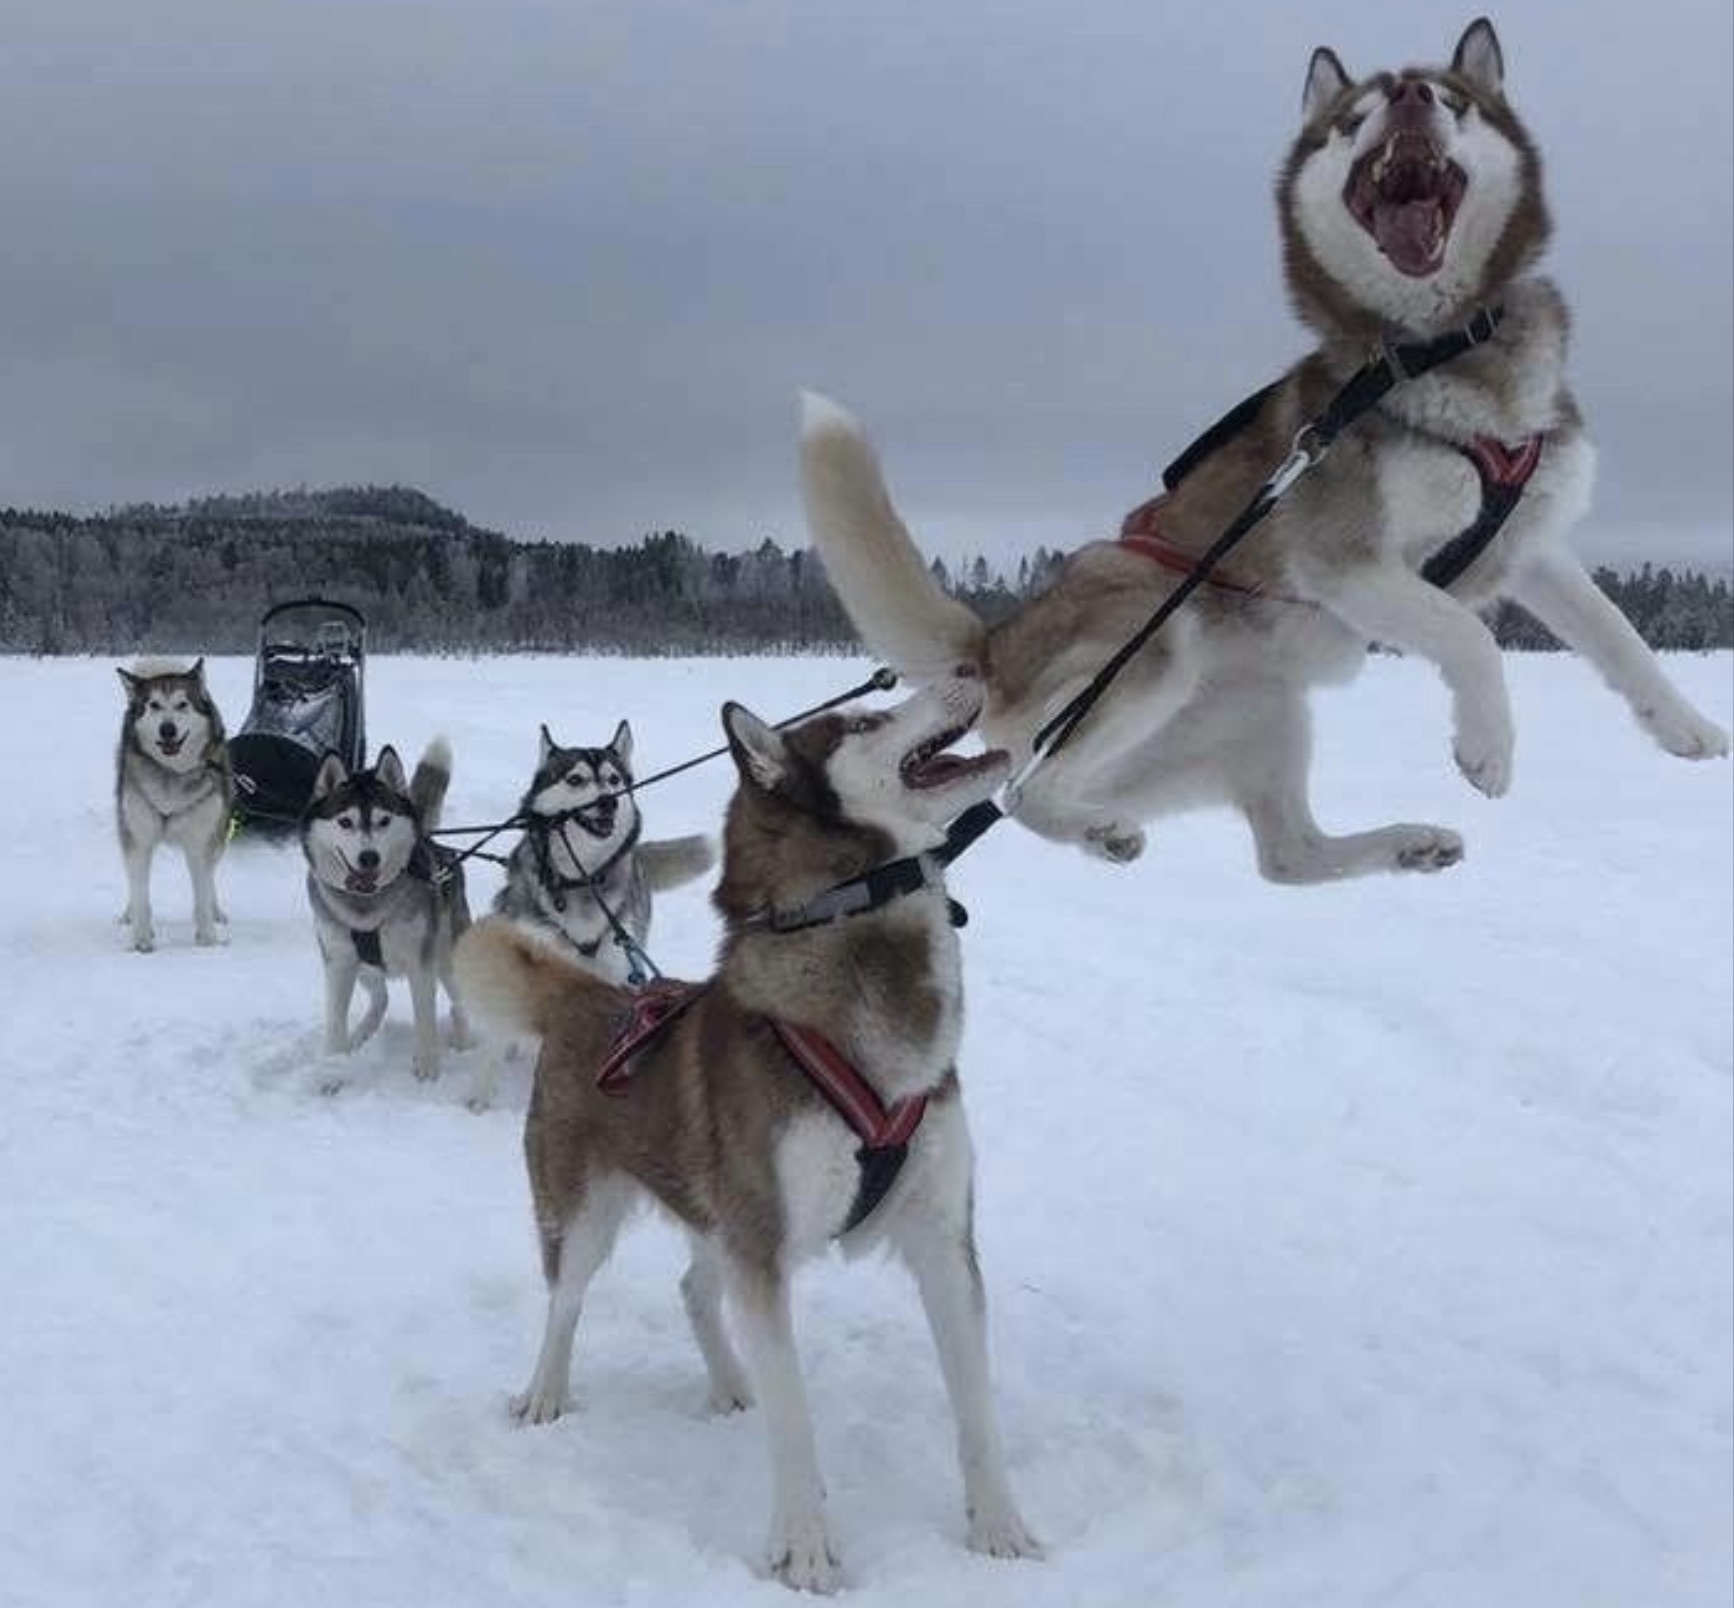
(719, 1126)
(172, 784)
(1409, 202)
(582, 856)
(582, 860)
(386, 901)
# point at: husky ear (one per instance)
(197, 672)
(134, 685)
(759, 750)
(389, 769)
(1479, 58)
(548, 745)
(1326, 80)
(333, 773)
(622, 743)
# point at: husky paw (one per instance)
(210, 938)
(1484, 757)
(538, 1406)
(1001, 1533)
(425, 1067)
(799, 1554)
(1114, 843)
(144, 942)
(1682, 731)
(333, 1083)
(728, 1396)
(1425, 848)
(459, 1036)
(480, 1101)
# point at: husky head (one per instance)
(844, 792)
(584, 796)
(1409, 198)
(169, 714)
(361, 827)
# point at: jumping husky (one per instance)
(582, 855)
(719, 1123)
(1410, 207)
(386, 902)
(172, 784)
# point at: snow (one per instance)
(1356, 1245)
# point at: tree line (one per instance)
(196, 577)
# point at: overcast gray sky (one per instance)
(564, 263)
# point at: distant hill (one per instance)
(195, 577)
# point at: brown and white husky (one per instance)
(719, 1125)
(1409, 201)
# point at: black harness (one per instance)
(1503, 470)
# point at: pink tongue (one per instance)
(1410, 233)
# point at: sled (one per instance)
(307, 703)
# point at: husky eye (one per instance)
(861, 725)
(576, 779)
(381, 822)
(347, 822)
(611, 777)
(1457, 104)
(180, 704)
(1351, 125)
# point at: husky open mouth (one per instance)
(168, 747)
(929, 765)
(1405, 194)
(597, 819)
(355, 881)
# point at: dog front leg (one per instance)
(799, 1549)
(202, 868)
(424, 1000)
(1558, 592)
(340, 974)
(701, 1295)
(948, 1275)
(1398, 608)
(138, 896)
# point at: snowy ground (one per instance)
(1353, 1246)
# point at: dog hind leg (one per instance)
(1266, 774)
(701, 1294)
(572, 1255)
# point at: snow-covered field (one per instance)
(1352, 1246)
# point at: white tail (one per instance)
(902, 613)
(519, 981)
(427, 787)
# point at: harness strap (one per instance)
(1504, 472)
(1141, 532)
(884, 1131)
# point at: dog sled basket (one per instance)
(307, 703)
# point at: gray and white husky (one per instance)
(172, 784)
(386, 901)
(720, 1127)
(1409, 201)
(583, 855)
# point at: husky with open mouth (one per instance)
(172, 784)
(583, 865)
(387, 901)
(1411, 209)
(719, 1114)
(583, 856)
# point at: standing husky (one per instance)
(582, 851)
(582, 859)
(172, 784)
(1409, 202)
(386, 902)
(720, 1127)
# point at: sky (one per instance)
(565, 264)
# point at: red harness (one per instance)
(1503, 471)
(884, 1130)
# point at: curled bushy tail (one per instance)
(669, 862)
(427, 788)
(902, 613)
(520, 981)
